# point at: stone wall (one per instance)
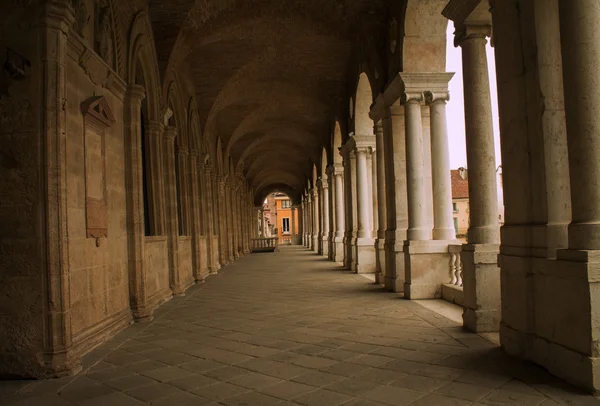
(156, 264)
(22, 243)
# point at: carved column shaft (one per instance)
(170, 180)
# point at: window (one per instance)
(455, 207)
(456, 224)
(285, 227)
(286, 204)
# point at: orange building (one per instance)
(283, 218)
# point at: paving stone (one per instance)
(226, 373)
(129, 382)
(50, 399)
(254, 380)
(252, 399)
(322, 397)
(181, 399)
(287, 390)
(191, 382)
(220, 391)
(378, 375)
(440, 400)
(505, 397)
(391, 395)
(82, 389)
(114, 399)
(353, 387)
(346, 369)
(318, 378)
(464, 391)
(150, 393)
(167, 374)
(420, 383)
(202, 365)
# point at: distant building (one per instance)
(283, 210)
(460, 201)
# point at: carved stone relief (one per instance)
(97, 119)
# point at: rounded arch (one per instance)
(219, 157)
(324, 162)
(363, 125)
(195, 129)
(142, 61)
(424, 39)
(336, 143)
(173, 101)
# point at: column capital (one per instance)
(418, 85)
(467, 32)
(59, 14)
(412, 97)
(336, 169)
(437, 97)
(170, 133)
(154, 127)
(135, 93)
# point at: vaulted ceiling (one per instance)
(270, 76)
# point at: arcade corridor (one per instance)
(293, 328)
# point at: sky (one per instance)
(455, 107)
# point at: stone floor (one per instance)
(291, 328)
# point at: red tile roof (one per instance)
(460, 186)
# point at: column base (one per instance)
(325, 247)
(395, 266)
(338, 251)
(314, 243)
(566, 330)
(481, 287)
(427, 266)
(365, 256)
(380, 261)
(353, 254)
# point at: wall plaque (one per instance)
(97, 117)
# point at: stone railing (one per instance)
(268, 244)
(453, 290)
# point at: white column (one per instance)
(326, 209)
(293, 225)
(580, 47)
(417, 215)
(481, 161)
(316, 214)
(443, 228)
(263, 223)
(339, 203)
(362, 190)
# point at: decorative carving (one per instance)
(103, 35)
(16, 114)
(97, 118)
(95, 69)
(393, 35)
(81, 16)
(434, 97)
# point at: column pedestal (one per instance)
(380, 275)
(365, 256)
(394, 254)
(481, 287)
(427, 267)
(567, 332)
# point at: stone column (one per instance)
(199, 264)
(209, 214)
(315, 219)
(294, 224)
(155, 169)
(220, 204)
(172, 219)
(52, 323)
(443, 228)
(381, 205)
(325, 217)
(417, 221)
(365, 261)
(568, 321)
(135, 205)
(263, 223)
(320, 209)
(302, 218)
(481, 275)
(338, 173)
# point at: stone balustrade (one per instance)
(268, 244)
(453, 290)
